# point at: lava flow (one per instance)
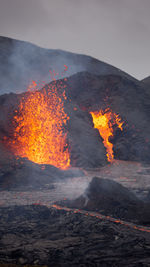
(39, 127)
(101, 217)
(104, 122)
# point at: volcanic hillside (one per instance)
(122, 96)
(99, 94)
(86, 93)
(146, 85)
(146, 81)
(22, 62)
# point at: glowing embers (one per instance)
(105, 121)
(39, 123)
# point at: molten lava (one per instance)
(104, 122)
(39, 123)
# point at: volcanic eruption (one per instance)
(96, 115)
(39, 124)
(55, 125)
(104, 122)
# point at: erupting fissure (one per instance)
(104, 122)
(39, 124)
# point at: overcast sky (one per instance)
(114, 31)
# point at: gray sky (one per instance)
(114, 31)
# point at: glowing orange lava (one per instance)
(104, 122)
(39, 127)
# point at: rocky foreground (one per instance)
(112, 199)
(35, 232)
(47, 236)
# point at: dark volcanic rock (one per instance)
(146, 81)
(86, 145)
(21, 174)
(124, 97)
(38, 235)
(111, 198)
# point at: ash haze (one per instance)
(114, 31)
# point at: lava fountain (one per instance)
(104, 121)
(39, 127)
